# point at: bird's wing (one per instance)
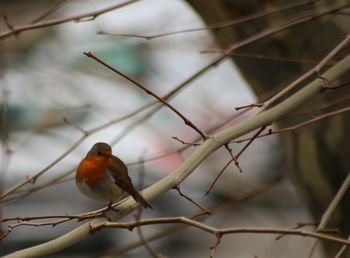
(119, 172)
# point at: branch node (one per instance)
(75, 125)
(249, 106)
(329, 83)
(92, 229)
(218, 236)
(205, 210)
(183, 142)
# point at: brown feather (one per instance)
(119, 172)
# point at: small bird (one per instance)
(104, 177)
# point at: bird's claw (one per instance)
(109, 208)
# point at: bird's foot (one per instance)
(109, 208)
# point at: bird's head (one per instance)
(100, 149)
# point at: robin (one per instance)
(104, 177)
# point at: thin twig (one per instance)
(341, 250)
(256, 135)
(218, 176)
(299, 125)
(271, 58)
(97, 213)
(25, 27)
(233, 157)
(215, 209)
(322, 108)
(315, 70)
(215, 61)
(331, 208)
(248, 106)
(75, 125)
(138, 84)
(27, 180)
(10, 228)
(86, 133)
(216, 244)
(185, 143)
(141, 237)
(48, 12)
(6, 21)
(215, 231)
(216, 26)
(139, 210)
(299, 225)
(118, 250)
(205, 210)
(133, 163)
(328, 82)
(233, 160)
(336, 87)
(232, 48)
(34, 177)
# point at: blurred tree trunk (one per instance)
(317, 155)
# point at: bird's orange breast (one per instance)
(92, 170)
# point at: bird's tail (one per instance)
(139, 198)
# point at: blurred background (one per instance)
(46, 80)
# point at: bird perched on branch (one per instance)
(104, 177)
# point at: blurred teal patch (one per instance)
(121, 55)
(30, 117)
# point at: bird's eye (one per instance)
(99, 153)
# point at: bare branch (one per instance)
(299, 225)
(217, 231)
(185, 143)
(48, 12)
(21, 28)
(234, 158)
(248, 106)
(142, 239)
(272, 58)
(299, 125)
(331, 208)
(75, 125)
(34, 177)
(216, 244)
(6, 21)
(315, 70)
(217, 26)
(138, 84)
(341, 251)
(205, 210)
